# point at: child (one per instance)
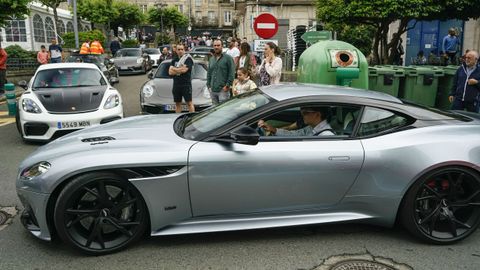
(243, 83)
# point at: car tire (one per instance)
(99, 213)
(443, 206)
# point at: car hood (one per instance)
(130, 140)
(163, 91)
(71, 99)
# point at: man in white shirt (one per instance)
(314, 117)
(233, 51)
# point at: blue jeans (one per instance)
(219, 97)
(56, 60)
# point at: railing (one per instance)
(21, 64)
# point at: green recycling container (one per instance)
(420, 84)
(333, 62)
(445, 85)
(385, 79)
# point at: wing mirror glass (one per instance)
(23, 84)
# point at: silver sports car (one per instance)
(105, 187)
(156, 94)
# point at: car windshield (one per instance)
(86, 58)
(220, 115)
(68, 77)
(128, 53)
(199, 71)
(152, 51)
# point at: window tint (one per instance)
(375, 121)
(68, 77)
(199, 71)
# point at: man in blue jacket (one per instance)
(450, 46)
(466, 87)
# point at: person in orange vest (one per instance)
(85, 49)
(96, 47)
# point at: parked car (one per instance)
(156, 94)
(62, 98)
(103, 188)
(201, 49)
(104, 63)
(132, 61)
(154, 54)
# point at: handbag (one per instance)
(264, 76)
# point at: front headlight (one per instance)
(35, 170)
(148, 90)
(112, 101)
(30, 106)
(139, 60)
(206, 92)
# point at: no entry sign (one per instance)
(265, 25)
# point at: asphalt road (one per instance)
(286, 248)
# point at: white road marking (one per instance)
(6, 120)
(265, 26)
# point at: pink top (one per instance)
(42, 57)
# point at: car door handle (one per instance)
(339, 158)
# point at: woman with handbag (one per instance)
(247, 59)
(270, 70)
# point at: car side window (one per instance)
(375, 121)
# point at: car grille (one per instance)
(35, 129)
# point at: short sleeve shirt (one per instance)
(55, 51)
(185, 78)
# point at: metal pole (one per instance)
(75, 23)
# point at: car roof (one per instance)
(293, 90)
(67, 65)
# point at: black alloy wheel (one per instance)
(444, 206)
(100, 213)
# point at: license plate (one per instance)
(73, 124)
(171, 107)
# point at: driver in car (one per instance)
(315, 119)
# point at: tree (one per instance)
(381, 13)
(98, 11)
(171, 17)
(129, 16)
(53, 4)
(12, 9)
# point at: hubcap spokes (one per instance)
(448, 204)
(103, 215)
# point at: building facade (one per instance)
(38, 28)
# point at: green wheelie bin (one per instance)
(385, 79)
(445, 85)
(420, 84)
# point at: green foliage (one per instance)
(130, 15)
(162, 38)
(360, 36)
(97, 11)
(15, 51)
(130, 43)
(381, 13)
(171, 17)
(69, 38)
(10, 9)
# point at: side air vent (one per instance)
(98, 139)
(146, 172)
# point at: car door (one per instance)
(277, 174)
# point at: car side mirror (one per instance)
(150, 75)
(113, 80)
(245, 135)
(23, 84)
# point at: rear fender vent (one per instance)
(147, 172)
(98, 139)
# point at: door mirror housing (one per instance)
(113, 80)
(23, 84)
(150, 75)
(245, 135)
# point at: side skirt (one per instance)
(234, 223)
